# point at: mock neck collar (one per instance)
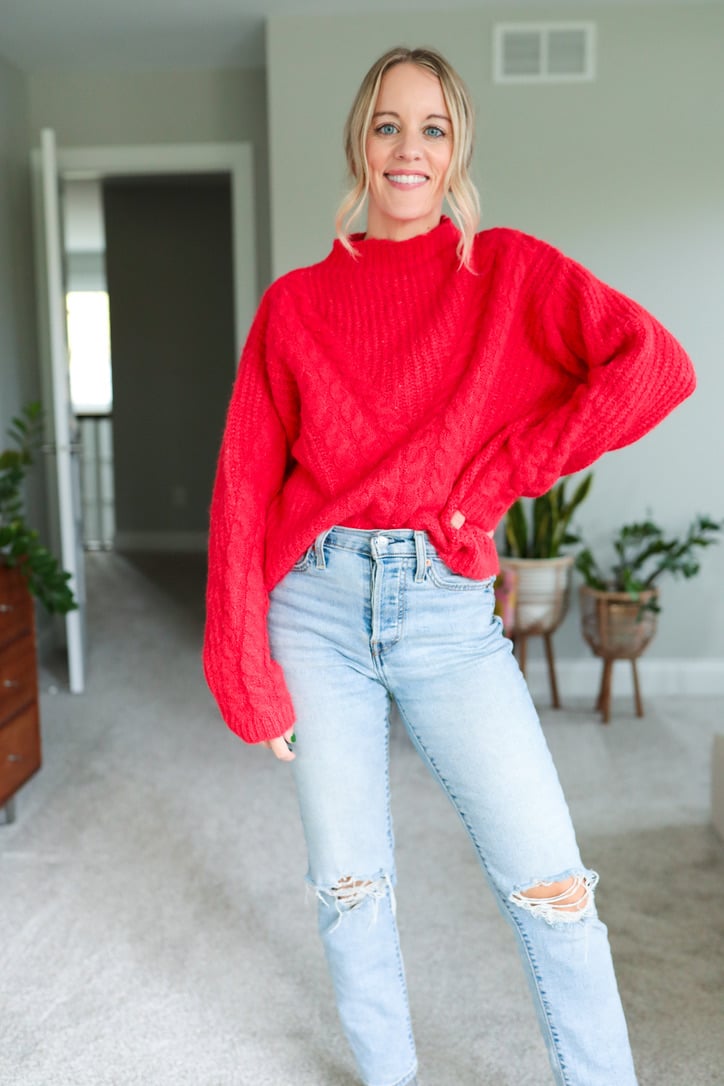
(379, 253)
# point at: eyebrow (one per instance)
(430, 116)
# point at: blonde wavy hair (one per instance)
(461, 193)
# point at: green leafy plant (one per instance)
(546, 529)
(19, 544)
(644, 553)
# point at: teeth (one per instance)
(406, 178)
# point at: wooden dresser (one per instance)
(19, 716)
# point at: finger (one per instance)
(290, 739)
(280, 749)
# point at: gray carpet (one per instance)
(154, 924)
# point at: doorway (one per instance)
(149, 266)
(49, 167)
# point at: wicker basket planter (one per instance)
(616, 628)
(614, 625)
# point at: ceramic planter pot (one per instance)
(539, 593)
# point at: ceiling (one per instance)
(138, 34)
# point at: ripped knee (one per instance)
(565, 900)
(350, 893)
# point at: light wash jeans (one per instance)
(368, 615)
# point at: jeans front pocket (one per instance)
(443, 577)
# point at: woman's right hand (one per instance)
(279, 747)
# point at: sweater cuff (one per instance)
(479, 507)
(259, 726)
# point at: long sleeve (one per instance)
(626, 371)
(247, 683)
(393, 388)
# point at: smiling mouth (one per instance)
(407, 178)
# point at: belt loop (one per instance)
(421, 555)
(319, 549)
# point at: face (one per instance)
(409, 147)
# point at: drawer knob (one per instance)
(6, 608)
(15, 757)
(10, 684)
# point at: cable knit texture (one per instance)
(396, 390)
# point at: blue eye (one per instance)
(386, 129)
(434, 131)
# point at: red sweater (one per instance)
(396, 391)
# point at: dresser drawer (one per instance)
(18, 676)
(16, 605)
(19, 751)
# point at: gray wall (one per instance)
(624, 173)
(92, 109)
(169, 271)
(19, 375)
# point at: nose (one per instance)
(408, 148)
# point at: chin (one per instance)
(389, 217)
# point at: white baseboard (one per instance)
(186, 542)
(581, 678)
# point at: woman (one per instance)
(391, 404)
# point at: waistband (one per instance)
(377, 543)
(360, 539)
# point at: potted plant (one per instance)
(27, 569)
(535, 576)
(619, 607)
(20, 547)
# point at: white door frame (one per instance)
(236, 159)
(66, 476)
(94, 163)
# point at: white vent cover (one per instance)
(544, 52)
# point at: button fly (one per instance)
(387, 593)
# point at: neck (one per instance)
(383, 228)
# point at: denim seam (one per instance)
(407, 564)
(466, 584)
(432, 764)
(401, 974)
(541, 994)
(391, 842)
(378, 646)
(565, 1080)
(303, 561)
(388, 791)
(318, 547)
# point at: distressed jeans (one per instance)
(368, 616)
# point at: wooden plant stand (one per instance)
(603, 702)
(520, 645)
(538, 591)
(616, 628)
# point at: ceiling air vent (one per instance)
(544, 52)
